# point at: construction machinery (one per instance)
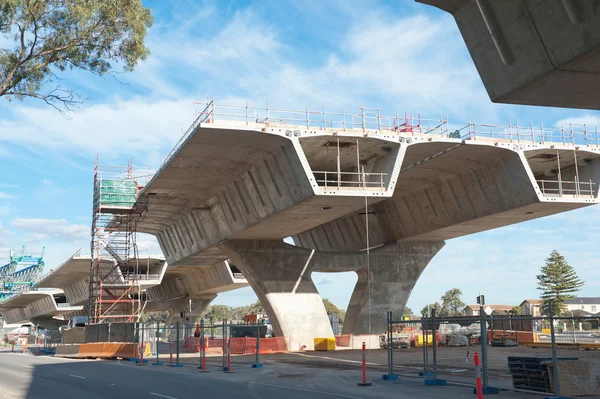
(20, 273)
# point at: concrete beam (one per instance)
(472, 188)
(529, 51)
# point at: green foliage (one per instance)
(154, 317)
(516, 310)
(426, 311)
(557, 281)
(452, 304)
(49, 36)
(216, 313)
(330, 308)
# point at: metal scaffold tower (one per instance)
(115, 291)
(20, 273)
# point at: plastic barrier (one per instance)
(343, 340)
(90, 351)
(67, 351)
(247, 346)
(102, 351)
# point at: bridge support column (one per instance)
(394, 270)
(280, 276)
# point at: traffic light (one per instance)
(481, 299)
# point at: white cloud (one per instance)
(122, 128)
(55, 229)
(4, 234)
(7, 196)
(590, 120)
(49, 191)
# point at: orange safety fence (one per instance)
(239, 346)
(102, 351)
(519, 336)
(90, 350)
(344, 340)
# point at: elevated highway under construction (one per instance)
(356, 192)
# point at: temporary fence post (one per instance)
(390, 375)
(478, 388)
(202, 350)
(177, 364)
(156, 339)
(425, 327)
(483, 340)
(434, 343)
(427, 346)
(258, 364)
(170, 353)
(435, 380)
(141, 348)
(554, 354)
(224, 344)
(229, 355)
(364, 382)
(203, 344)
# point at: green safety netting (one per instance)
(117, 192)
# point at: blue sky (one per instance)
(392, 55)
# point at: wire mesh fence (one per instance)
(540, 354)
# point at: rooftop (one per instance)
(584, 301)
(493, 307)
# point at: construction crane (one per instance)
(20, 273)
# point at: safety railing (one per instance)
(371, 121)
(355, 180)
(367, 119)
(560, 188)
(568, 134)
(132, 278)
(238, 276)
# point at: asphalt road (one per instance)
(25, 376)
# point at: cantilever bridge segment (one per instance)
(241, 179)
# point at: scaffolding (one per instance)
(115, 290)
(20, 273)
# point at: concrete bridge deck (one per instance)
(233, 189)
(40, 307)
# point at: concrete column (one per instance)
(394, 271)
(280, 276)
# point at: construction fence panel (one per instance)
(557, 355)
(577, 341)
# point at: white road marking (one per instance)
(162, 396)
(76, 376)
(336, 359)
(338, 395)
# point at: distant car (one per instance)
(503, 341)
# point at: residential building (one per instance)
(473, 310)
(531, 307)
(587, 304)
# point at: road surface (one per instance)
(41, 377)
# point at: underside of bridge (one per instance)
(533, 52)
